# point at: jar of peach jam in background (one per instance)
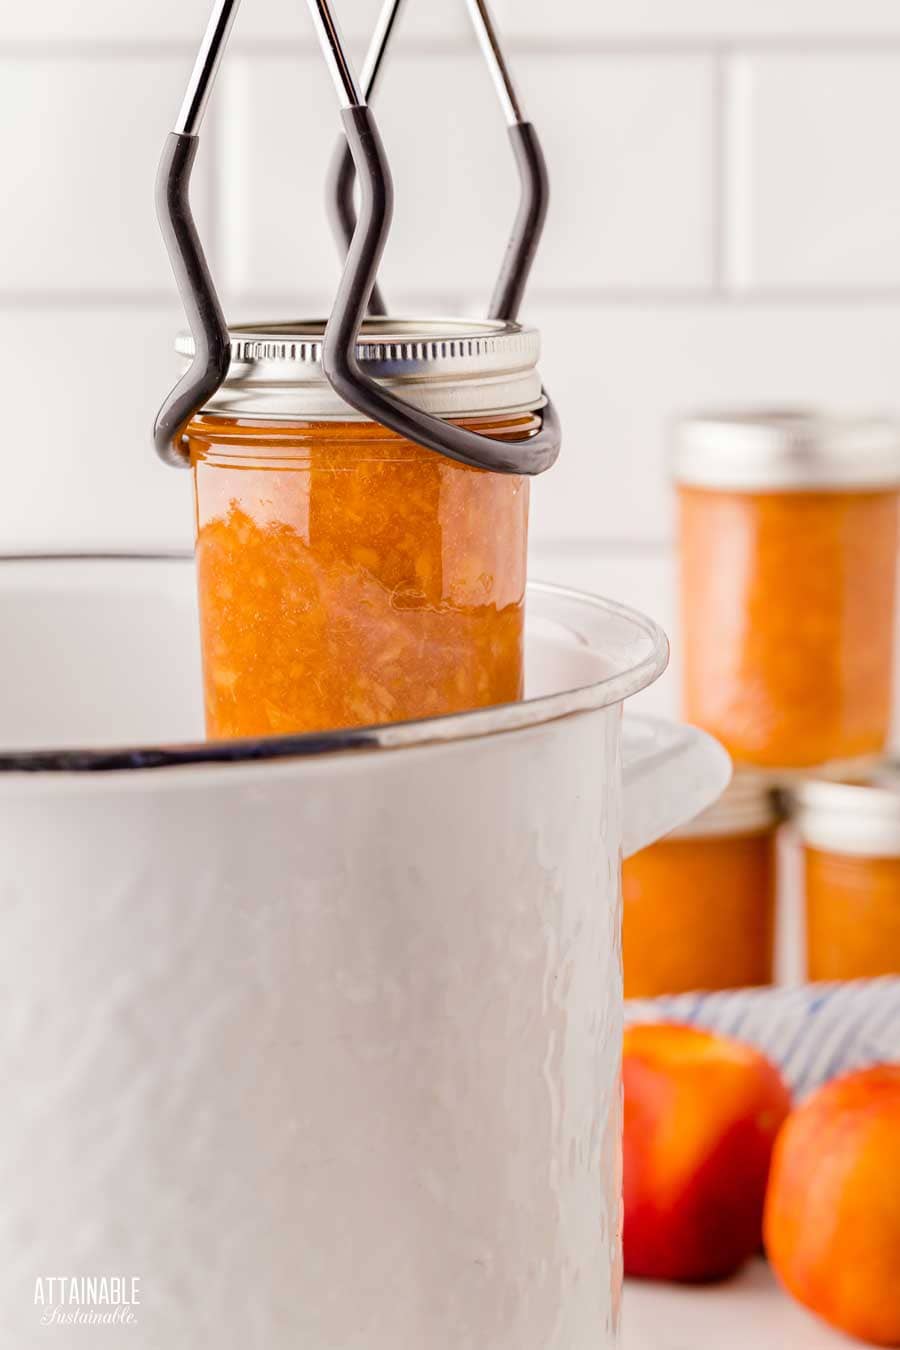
(699, 907)
(850, 836)
(347, 576)
(788, 547)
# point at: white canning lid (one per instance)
(446, 367)
(787, 450)
(749, 805)
(858, 817)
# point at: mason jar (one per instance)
(699, 906)
(850, 837)
(347, 576)
(788, 548)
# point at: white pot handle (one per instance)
(671, 772)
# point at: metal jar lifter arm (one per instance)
(209, 367)
(530, 456)
(341, 178)
(534, 185)
(212, 344)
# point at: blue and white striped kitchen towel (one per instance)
(814, 1032)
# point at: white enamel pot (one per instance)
(318, 1039)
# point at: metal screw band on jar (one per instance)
(452, 368)
(787, 450)
(859, 817)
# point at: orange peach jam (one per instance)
(348, 577)
(699, 914)
(699, 907)
(787, 602)
(852, 915)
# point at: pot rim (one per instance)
(475, 724)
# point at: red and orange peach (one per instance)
(832, 1217)
(701, 1116)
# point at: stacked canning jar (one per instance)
(788, 540)
(788, 532)
(699, 907)
(849, 833)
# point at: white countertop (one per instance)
(747, 1313)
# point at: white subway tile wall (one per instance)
(77, 135)
(813, 202)
(725, 228)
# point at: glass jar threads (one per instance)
(699, 907)
(347, 576)
(850, 837)
(788, 540)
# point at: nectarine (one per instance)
(701, 1115)
(832, 1218)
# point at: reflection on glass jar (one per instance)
(788, 529)
(699, 907)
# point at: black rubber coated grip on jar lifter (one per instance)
(532, 169)
(530, 456)
(524, 240)
(339, 186)
(529, 226)
(212, 345)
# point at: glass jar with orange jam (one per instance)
(348, 577)
(788, 552)
(850, 836)
(699, 906)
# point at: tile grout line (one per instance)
(541, 297)
(873, 44)
(797, 297)
(585, 547)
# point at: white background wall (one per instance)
(725, 227)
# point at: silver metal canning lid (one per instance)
(749, 805)
(449, 367)
(859, 817)
(786, 450)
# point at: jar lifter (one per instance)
(360, 155)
